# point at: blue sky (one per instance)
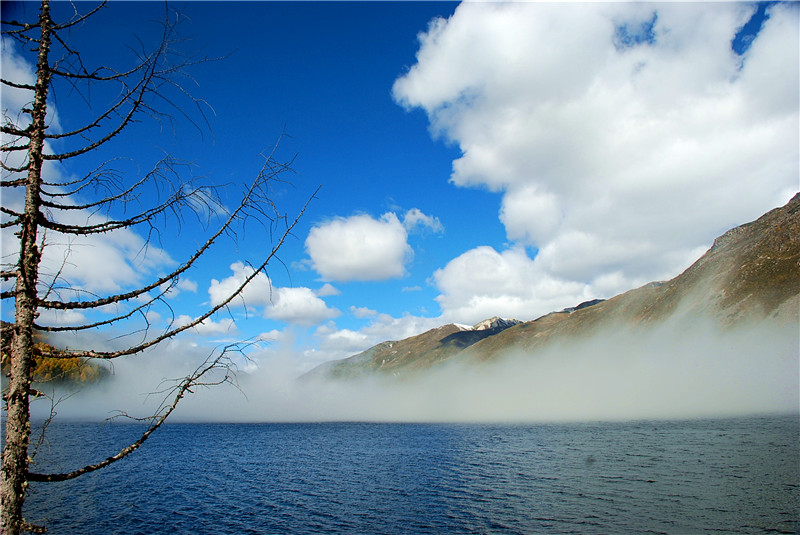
(474, 160)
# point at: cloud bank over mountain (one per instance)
(622, 137)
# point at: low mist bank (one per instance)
(680, 369)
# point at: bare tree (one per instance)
(150, 89)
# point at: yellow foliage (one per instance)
(73, 370)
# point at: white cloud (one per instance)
(328, 289)
(416, 219)
(60, 318)
(272, 336)
(482, 283)
(619, 162)
(359, 248)
(340, 343)
(300, 306)
(208, 327)
(363, 312)
(386, 327)
(516, 210)
(187, 285)
(15, 68)
(259, 292)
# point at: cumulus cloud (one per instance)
(363, 312)
(257, 293)
(272, 336)
(299, 306)
(328, 289)
(483, 282)
(622, 137)
(359, 248)
(60, 317)
(187, 285)
(415, 220)
(208, 327)
(340, 343)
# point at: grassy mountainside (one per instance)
(414, 353)
(751, 273)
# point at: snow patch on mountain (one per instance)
(495, 323)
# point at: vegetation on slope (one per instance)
(62, 370)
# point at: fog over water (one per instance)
(679, 369)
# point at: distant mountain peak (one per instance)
(495, 323)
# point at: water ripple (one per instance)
(730, 476)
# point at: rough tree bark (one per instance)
(18, 427)
(45, 200)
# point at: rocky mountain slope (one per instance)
(750, 274)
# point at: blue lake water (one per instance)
(725, 476)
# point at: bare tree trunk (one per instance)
(18, 427)
(45, 209)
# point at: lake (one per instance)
(737, 475)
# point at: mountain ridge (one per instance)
(422, 350)
(750, 273)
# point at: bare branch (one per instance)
(12, 183)
(109, 226)
(219, 363)
(19, 169)
(134, 96)
(9, 211)
(173, 332)
(84, 181)
(137, 310)
(95, 178)
(17, 85)
(79, 18)
(234, 216)
(15, 148)
(10, 130)
(51, 415)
